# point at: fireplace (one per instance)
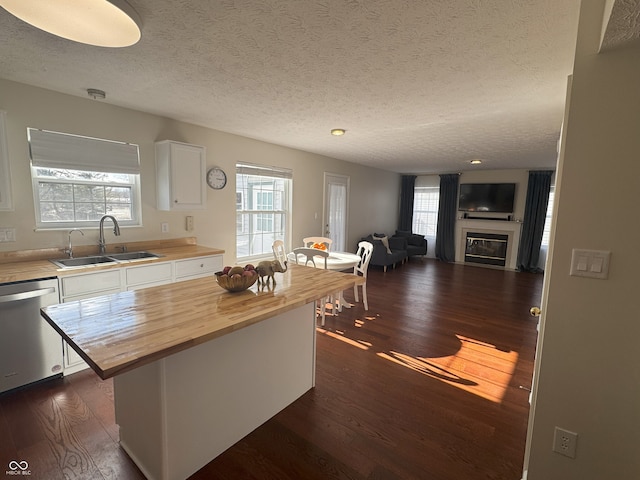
(486, 248)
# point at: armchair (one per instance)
(416, 244)
(381, 257)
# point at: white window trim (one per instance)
(427, 189)
(272, 172)
(74, 152)
(136, 210)
(6, 198)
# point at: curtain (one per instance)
(338, 201)
(446, 233)
(406, 203)
(535, 211)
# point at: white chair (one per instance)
(279, 252)
(310, 241)
(365, 250)
(309, 254)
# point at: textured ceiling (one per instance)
(622, 25)
(421, 86)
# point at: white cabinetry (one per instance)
(145, 276)
(80, 287)
(94, 284)
(86, 285)
(180, 173)
(198, 267)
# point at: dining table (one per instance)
(338, 261)
(335, 261)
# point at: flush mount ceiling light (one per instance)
(102, 23)
(475, 161)
(96, 94)
(338, 132)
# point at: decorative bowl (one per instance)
(235, 283)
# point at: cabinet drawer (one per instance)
(91, 282)
(148, 273)
(198, 266)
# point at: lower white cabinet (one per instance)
(93, 284)
(80, 287)
(85, 285)
(144, 276)
(197, 267)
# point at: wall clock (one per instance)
(216, 178)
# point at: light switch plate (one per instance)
(590, 263)
(7, 234)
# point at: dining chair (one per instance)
(309, 254)
(365, 250)
(279, 252)
(310, 241)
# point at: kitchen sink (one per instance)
(130, 256)
(83, 261)
(104, 259)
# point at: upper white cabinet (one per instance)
(180, 170)
(5, 179)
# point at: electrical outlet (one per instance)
(164, 226)
(189, 223)
(565, 442)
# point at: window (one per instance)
(425, 210)
(546, 232)
(263, 206)
(77, 180)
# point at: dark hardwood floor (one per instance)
(431, 383)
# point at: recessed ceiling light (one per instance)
(103, 23)
(475, 161)
(338, 132)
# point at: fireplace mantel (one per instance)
(509, 228)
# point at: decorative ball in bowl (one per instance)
(237, 279)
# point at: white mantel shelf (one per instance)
(502, 227)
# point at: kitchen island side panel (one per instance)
(203, 400)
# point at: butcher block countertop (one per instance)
(120, 332)
(33, 264)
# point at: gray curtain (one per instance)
(446, 234)
(406, 203)
(535, 212)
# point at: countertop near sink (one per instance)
(32, 264)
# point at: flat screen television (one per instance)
(486, 197)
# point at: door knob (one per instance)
(535, 311)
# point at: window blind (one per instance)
(74, 152)
(263, 171)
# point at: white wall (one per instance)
(588, 377)
(373, 191)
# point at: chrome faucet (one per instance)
(116, 231)
(69, 249)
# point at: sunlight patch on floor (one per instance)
(478, 367)
(339, 335)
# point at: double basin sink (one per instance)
(104, 259)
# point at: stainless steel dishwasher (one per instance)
(30, 349)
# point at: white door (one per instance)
(336, 198)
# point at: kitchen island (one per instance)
(197, 368)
